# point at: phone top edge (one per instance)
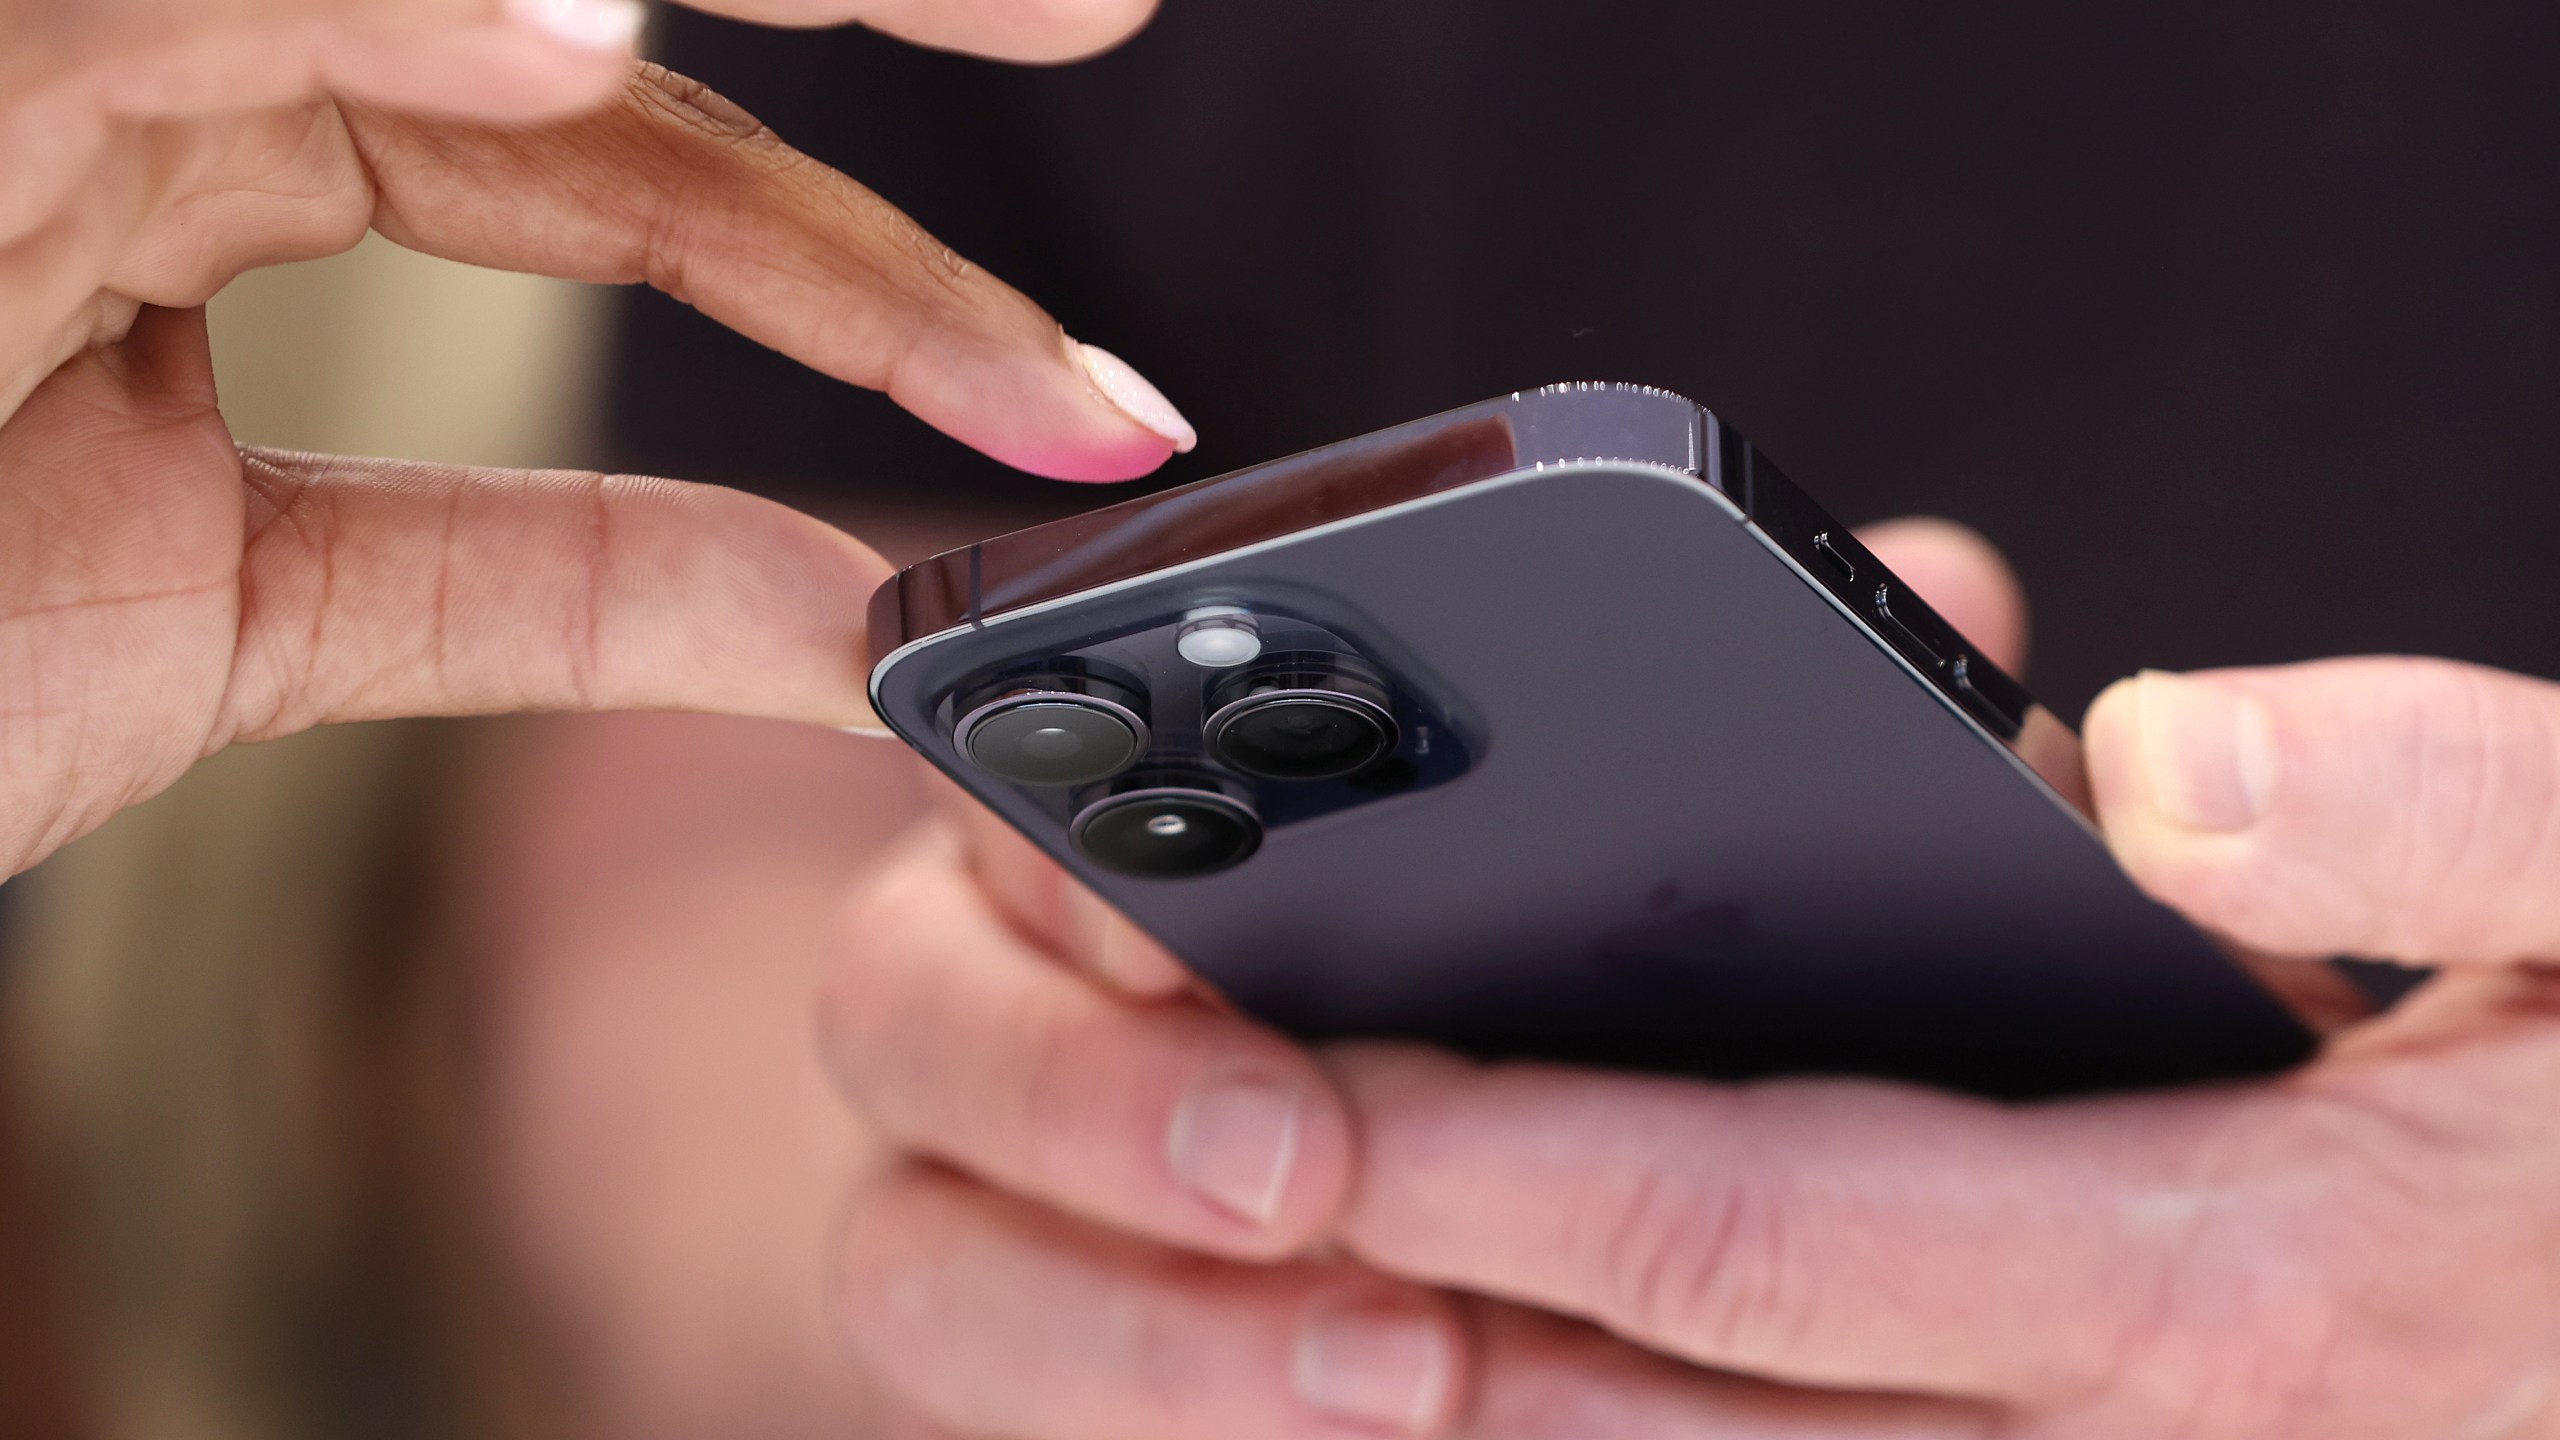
(1574, 423)
(1559, 424)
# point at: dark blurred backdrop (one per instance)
(2238, 326)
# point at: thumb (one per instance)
(2397, 809)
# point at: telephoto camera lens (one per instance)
(1300, 717)
(1168, 827)
(1061, 729)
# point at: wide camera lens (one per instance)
(1300, 718)
(1167, 832)
(1057, 730)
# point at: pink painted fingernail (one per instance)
(585, 24)
(1375, 1365)
(1129, 391)
(1234, 1142)
(2209, 749)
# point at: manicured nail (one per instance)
(585, 24)
(2210, 750)
(1137, 399)
(1234, 1141)
(1375, 1366)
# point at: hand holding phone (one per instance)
(1823, 1249)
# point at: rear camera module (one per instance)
(1300, 717)
(1054, 730)
(1167, 828)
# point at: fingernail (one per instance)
(1137, 399)
(1234, 1141)
(2210, 750)
(1375, 1366)
(585, 24)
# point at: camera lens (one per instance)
(1167, 831)
(1301, 717)
(1054, 730)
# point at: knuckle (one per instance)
(694, 132)
(692, 106)
(1695, 1258)
(2482, 809)
(940, 266)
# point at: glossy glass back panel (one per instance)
(1712, 821)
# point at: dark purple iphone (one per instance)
(1560, 726)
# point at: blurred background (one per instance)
(442, 1079)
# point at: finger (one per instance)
(358, 589)
(1858, 1235)
(77, 76)
(998, 1319)
(1035, 30)
(1171, 1120)
(673, 186)
(1963, 577)
(995, 1318)
(1541, 1378)
(379, 588)
(2392, 808)
(1059, 914)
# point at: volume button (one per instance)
(1905, 639)
(1840, 564)
(1960, 681)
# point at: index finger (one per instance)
(675, 187)
(1038, 30)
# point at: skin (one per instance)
(650, 901)
(2369, 1246)
(164, 592)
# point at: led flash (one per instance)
(1218, 639)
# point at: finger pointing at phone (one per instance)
(165, 594)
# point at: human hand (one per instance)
(164, 593)
(2367, 1247)
(991, 1015)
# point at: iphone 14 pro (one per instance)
(1562, 726)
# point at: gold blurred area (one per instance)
(218, 1008)
(382, 351)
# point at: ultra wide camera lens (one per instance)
(1300, 717)
(1054, 730)
(1167, 831)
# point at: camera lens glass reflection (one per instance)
(1053, 740)
(1168, 834)
(1302, 736)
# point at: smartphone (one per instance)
(1561, 727)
